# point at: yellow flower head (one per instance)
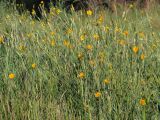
(52, 33)
(106, 81)
(82, 37)
(135, 49)
(33, 12)
(89, 47)
(97, 94)
(33, 65)
(100, 19)
(58, 11)
(96, 36)
(106, 28)
(142, 102)
(1, 40)
(42, 2)
(11, 76)
(142, 56)
(81, 75)
(126, 33)
(66, 43)
(89, 12)
(22, 47)
(131, 6)
(92, 62)
(80, 56)
(69, 31)
(53, 43)
(118, 30)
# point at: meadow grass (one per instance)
(70, 66)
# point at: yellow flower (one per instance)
(142, 102)
(32, 22)
(100, 19)
(126, 33)
(135, 49)
(131, 6)
(58, 11)
(96, 36)
(80, 56)
(81, 75)
(42, 2)
(89, 47)
(92, 62)
(33, 65)
(97, 94)
(66, 43)
(106, 29)
(142, 56)
(89, 12)
(117, 29)
(82, 37)
(33, 12)
(53, 43)
(69, 31)
(52, 33)
(106, 81)
(22, 47)
(1, 40)
(11, 76)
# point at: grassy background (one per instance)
(61, 62)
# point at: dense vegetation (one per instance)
(80, 65)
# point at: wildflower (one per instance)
(69, 31)
(53, 43)
(52, 33)
(89, 47)
(117, 29)
(142, 56)
(82, 37)
(100, 19)
(66, 43)
(21, 47)
(80, 56)
(1, 40)
(106, 29)
(32, 22)
(33, 12)
(42, 2)
(96, 36)
(106, 81)
(142, 102)
(92, 62)
(58, 11)
(33, 65)
(131, 6)
(81, 75)
(126, 33)
(11, 76)
(97, 94)
(135, 49)
(89, 12)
